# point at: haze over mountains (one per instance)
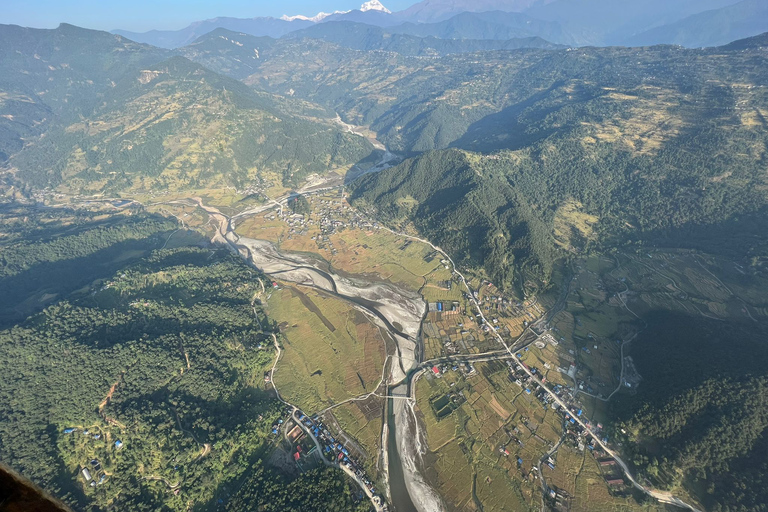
(118, 116)
(520, 141)
(571, 22)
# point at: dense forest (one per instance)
(158, 367)
(47, 253)
(144, 362)
(702, 404)
(317, 490)
(501, 211)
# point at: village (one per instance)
(459, 372)
(462, 329)
(310, 444)
(93, 472)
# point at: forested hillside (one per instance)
(47, 253)
(517, 211)
(57, 73)
(641, 97)
(464, 203)
(700, 418)
(132, 119)
(157, 368)
(676, 164)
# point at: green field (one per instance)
(332, 352)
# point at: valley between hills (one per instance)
(292, 274)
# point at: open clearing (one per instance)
(333, 352)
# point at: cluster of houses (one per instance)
(581, 437)
(561, 498)
(92, 473)
(493, 301)
(334, 450)
(466, 368)
(329, 215)
(448, 308)
(302, 436)
(94, 436)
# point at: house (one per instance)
(296, 456)
(436, 370)
(86, 474)
(615, 482)
(69, 430)
(118, 444)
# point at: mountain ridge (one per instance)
(575, 23)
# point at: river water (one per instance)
(400, 312)
(397, 310)
(399, 499)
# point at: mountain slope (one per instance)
(59, 72)
(675, 160)
(497, 100)
(360, 36)
(270, 27)
(176, 125)
(234, 54)
(431, 11)
(615, 22)
(489, 25)
(711, 28)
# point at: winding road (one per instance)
(664, 497)
(225, 227)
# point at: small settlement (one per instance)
(311, 442)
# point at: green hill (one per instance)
(156, 362)
(234, 54)
(500, 100)
(700, 419)
(118, 117)
(674, 160)
(61, 72)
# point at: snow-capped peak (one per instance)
(316, 18)
(371, 5)
(374, 5)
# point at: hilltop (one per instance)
(134, 117)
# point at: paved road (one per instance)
(664, 497)
(294, 412)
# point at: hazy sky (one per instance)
(141, 15)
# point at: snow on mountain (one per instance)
(316, 18)
(371, 5)
(374, 5)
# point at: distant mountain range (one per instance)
(691, 23)
(271, 27)
(711, 28)
(360, 36)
